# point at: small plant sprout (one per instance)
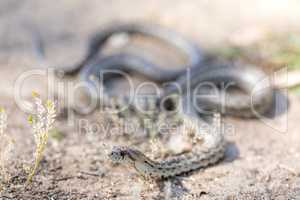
(6, 147)
(41, 122)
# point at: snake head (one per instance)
(118, 154)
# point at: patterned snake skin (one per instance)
(220, 87)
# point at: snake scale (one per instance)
(239, 102)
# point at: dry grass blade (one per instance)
(41, 122)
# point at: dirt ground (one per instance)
(262, 161)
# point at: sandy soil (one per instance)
(262, 161)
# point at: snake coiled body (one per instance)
(247, 92)
(148, 68)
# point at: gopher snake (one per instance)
(197, 158)
(240, 104)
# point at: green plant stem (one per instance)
(36, 165)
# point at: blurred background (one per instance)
(46, 34)
(38, 34)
